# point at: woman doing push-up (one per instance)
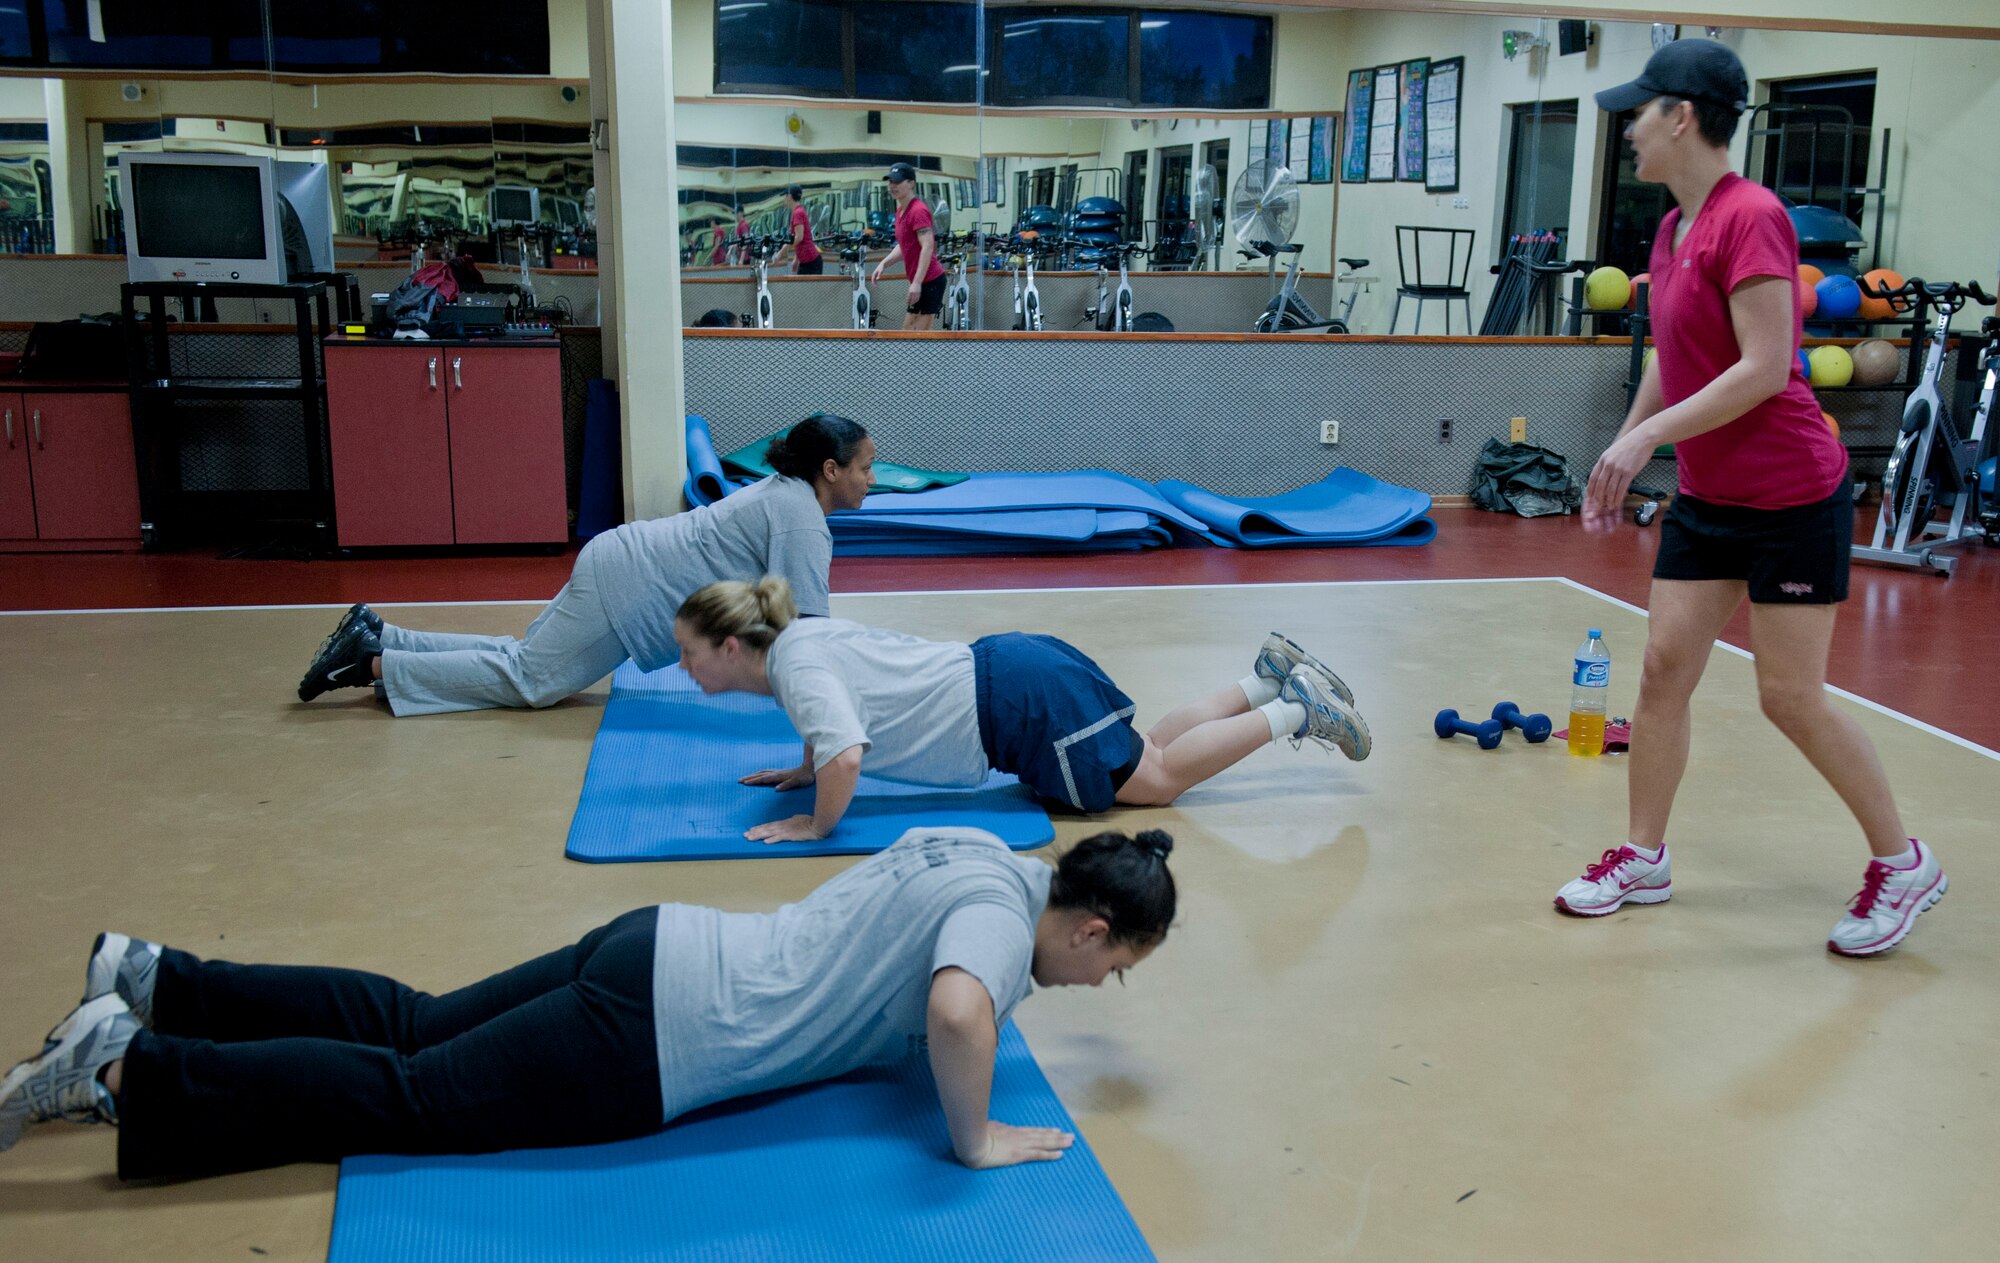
(947, 714)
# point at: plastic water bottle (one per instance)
(1590, 685)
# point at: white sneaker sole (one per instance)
(1640, 894)
(1902, 931)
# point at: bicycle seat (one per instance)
(1354, 264)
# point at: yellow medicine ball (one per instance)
(1607, 289)
(1831, 366)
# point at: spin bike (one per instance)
(1288, 311)
(762, 250)
(1027, 301)
(854, 253)
(957, 313)
(1113, 312)
(1932, 465)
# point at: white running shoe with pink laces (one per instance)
(1620, 876)
(1888, 905)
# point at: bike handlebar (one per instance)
(1941, 293)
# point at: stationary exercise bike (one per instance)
(1113, 312)
(1932, 466)
(762, 250)
(1027, 300)
(957, 313)
(1288, 311)
(854, 253)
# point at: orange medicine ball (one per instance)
(1878, 308)
(1810, 276)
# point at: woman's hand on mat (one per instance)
(1008, 1146)
(1610, 479)
(790, 829)
(782, 777)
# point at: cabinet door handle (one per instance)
(434, 372)
(35, 420)
(456, 380)
(10, 427)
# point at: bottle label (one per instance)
(1593, 673)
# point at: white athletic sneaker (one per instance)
(1279, 654)
(1887, 908)
(1620, 876)
(62, 1082)
(126, 967)
(1330, 720)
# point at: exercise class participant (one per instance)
(621, 597)
(209, 1067)
(802, 246)
(1764, 507)
(946, 714)
(916, 249)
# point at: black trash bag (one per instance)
(1524, 479)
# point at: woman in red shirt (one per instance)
(1764, 508)
(916, 249)
(804, 250)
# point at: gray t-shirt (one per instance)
(647, 569)
(909, 704)
(748, 1002)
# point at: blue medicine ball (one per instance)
(1839, 298)
(1805, 365)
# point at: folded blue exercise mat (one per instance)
(1345, 507)
(706, 480)
(1079, 489)
(662, 784)
(857, 1167)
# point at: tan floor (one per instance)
(1369, 1037)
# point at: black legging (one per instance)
(252, 1066)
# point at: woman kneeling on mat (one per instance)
(620, 600)
(209, 1067)
(946, 714)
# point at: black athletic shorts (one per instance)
(1795, 556)
(931, 301)
(816, 268)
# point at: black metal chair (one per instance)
(1434, 263)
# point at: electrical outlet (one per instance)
(1517, 430)
(1444, 431)
(1461, 203)
(1329, 432)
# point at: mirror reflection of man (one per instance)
(916, 249)
(802, 249)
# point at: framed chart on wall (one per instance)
(1410, 136)
(1382, 123)
(1324, 129)
(1260, 137)
(1299, 156)
(1354, 129)
(1441, 125)
(1278, 145)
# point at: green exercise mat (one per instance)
(888, 477)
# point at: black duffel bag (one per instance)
(88, 349)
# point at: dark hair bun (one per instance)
(1157, 842)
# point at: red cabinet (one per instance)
(68, 479)
(443, 444)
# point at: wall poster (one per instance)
(1382, 123)
(1410, 137)
(1354, 130)
(1441, 125)
(1325, 130)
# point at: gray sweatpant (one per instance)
(570, 646)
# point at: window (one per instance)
(916, 52)
(139, 34)
(1541, 161)
(17, 32)
(1062, 57)
(1634, 208)
(1815, 137)
(1214, 60)
(790, 46)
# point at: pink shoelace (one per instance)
(1871, 888)
(1608, 861)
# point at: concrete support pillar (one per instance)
(639, 248)
(71, 166)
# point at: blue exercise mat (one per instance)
(1072, 524)
(1345, 507)
(857, 1167)
(706, 481)
(1080, 489)
(661, 784)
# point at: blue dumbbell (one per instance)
(1448, 725)
(1535, 728)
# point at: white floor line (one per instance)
(1856, 698)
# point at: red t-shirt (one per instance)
(1780, 453)
(807, 251)
(910, 221)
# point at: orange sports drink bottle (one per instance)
(1590, 683)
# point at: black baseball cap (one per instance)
(899, 172)
(1698, 69)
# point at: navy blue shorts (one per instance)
(1050, 716)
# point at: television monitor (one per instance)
(514, 204)
(201, 217)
